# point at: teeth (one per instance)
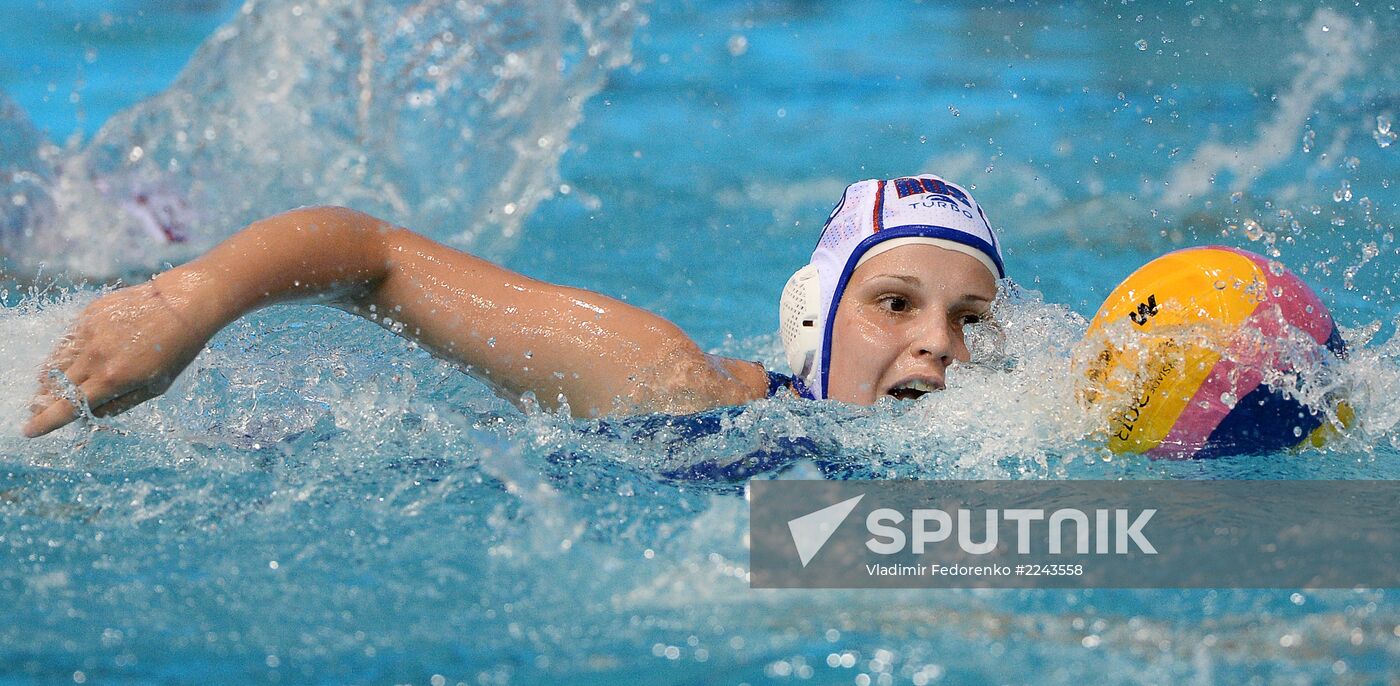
(916, 385)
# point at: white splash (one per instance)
(448, 117)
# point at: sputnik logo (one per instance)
(811, 531)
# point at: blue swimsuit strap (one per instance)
(782, 383)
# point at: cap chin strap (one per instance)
(800, 324)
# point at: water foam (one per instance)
(448, 117)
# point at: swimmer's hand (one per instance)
(124, 349)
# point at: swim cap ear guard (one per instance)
(874, 216)
(800, 319)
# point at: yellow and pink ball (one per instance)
(1193, 354)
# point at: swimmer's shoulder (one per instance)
(758, 382)
(746, 381)
(738, 381)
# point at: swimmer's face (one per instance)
(900, 323)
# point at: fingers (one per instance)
(61, 374)
(55, 385)
(52, 410)
(55, 415)
(122, 403)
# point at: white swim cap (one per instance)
(872, 217)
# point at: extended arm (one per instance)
(517, 334)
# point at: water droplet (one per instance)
(1343, 193)
(923, 139)
(1219, 285)
(1236, 197)
(1141, 44)
(1309, 140)
(491, 342)
(955, 111)
(1228, 399)
(1253, 230)
(1276, 268)
(1383, 135)
(737, 45)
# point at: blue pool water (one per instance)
(316, 501)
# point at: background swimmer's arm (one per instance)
(518, 334)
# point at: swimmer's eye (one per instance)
(895, 303)
(971, 319)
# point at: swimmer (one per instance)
(901, 268)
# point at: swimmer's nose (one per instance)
(933, 341)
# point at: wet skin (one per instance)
(901, 321)
(898, 327)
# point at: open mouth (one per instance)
(912, 390)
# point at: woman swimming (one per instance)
(901, 268)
